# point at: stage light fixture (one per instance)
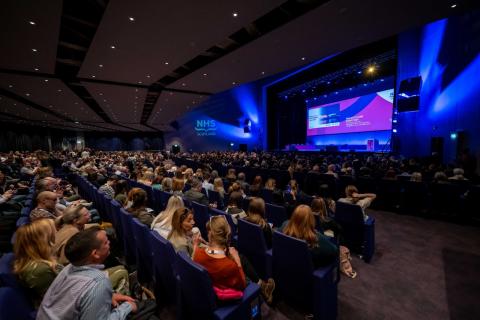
(394, 131)
(371, 69)
(453, 135)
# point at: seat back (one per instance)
(7, 278)
(201, 217)
(14, 304)
(292, 270)
(350, 217)
(214, 197)
(251, 243)
(266, 195)
(275, 214)
(196, 288)
(128, 238)
(163, 262)
(143, 251)
(233, 226)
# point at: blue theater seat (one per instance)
(201, 216)
(164, 258)
(251, 243)
(275, 214)
(359, 235)
(198, 300)
(143, 251)
(298, 283)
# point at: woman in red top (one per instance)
(223, 263)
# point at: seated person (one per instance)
(109, 187)
(82, 289)
(71, 222)
(181, 236)
(361, 199)
(137, 198)
(234, 207)
(35, 264)
(121, 192)
(223, 263)
(302, 226)
(163, 222)
(256, 214)
(328, 226)
(195, 193)
(46, 202)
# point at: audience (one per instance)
(256, 215)
(361, 199)
(195, 193)
(181, 236)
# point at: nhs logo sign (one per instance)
(206, 127)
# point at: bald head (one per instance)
(47, 200)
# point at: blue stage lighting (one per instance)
(394, 130)
(453, 135)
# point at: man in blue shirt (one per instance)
(82, 290)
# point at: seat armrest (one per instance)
(370, 221)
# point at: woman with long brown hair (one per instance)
(302, 226)
(181, 235)
(137, 198)
(35, 263)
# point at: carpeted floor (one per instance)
(422, 269)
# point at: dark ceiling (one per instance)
(120, 65)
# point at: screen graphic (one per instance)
(371, 112)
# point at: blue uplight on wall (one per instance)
(245, 97)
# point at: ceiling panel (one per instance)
(164, 35)
(122, 104)
(137, 126)
(18, 37)
(18, 109)
(49, 93)
(333, 27)
(170, 105)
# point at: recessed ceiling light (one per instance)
(453, 5)
(184, 84)
(36, 69)
(59, 90)
(46, 80)
(32, 23)
(235, 14)
(263, 72)
(93, 76)
(77, 122)
(100, 94)
(34, 50)
(166, 62)
(234, 83)
(131, 19)
(10, 85)
(148, 76)
(303, 58)
(100, 65)
(27, 94)
(112, 47)
(77, 103)
(205, 74)
(139, 82)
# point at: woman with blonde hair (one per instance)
(226, 267)
(302, 226)
(35, 263)
(163, 222)
(256, 215)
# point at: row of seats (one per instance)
(180, 281)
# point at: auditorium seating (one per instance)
(15, 305)
(201, 216)
(274, 214)
(164, 271)
(313, 291)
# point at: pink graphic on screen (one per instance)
(372, 112)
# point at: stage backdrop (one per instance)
(446, 54)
